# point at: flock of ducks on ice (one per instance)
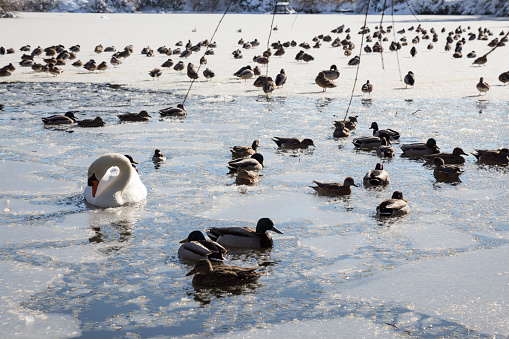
(106, 190)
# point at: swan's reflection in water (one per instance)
(114, 225)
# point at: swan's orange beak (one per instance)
(94, 183)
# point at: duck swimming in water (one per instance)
(245, 237)
(206, 275)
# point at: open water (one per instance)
(118, 274)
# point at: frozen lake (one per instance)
(69, 270)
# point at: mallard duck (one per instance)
(504, 77)
(179, 66)
(221, 275)
(349, 124)
(421, 149)
(244, 151)
(158, 156)
(449, 158)
(67, 119)
(102, 66)
(496, 157)
(54, 70)
(186, 53)
(114, 61)
(385, 150)
(77, 63)
(268, 86)
(367, 87)
(395, 206)
(445, 172)
(196, 247)
(155, 73)
(409, 79)
(332, 73)
(168, 63)
(367, 142)
(391, 134)
(242, 69)
(280, 78)
(246, 178)
(90, 65)
(142, 116)
(96, 122)
(191, 72)
(245, 237)
(254, 163)
(480, 60)
(99, 49)
(377, 176)
(260, 81)
(354, 61)
(247, 73)
(177, 112)
(482, 86)
(323, 82)
(334, 189)
(293, 143)
(208, 74)
(341, 131)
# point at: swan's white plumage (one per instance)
(119, 182)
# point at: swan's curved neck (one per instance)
(101, 166)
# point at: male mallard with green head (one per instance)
(420, 149)
(67, 119)
(245, 237)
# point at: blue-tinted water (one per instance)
(123, 277)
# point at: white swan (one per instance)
(107, 187)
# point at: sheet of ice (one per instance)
(437, 73)
(17, 283)
(466, 289)
(349, 327)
